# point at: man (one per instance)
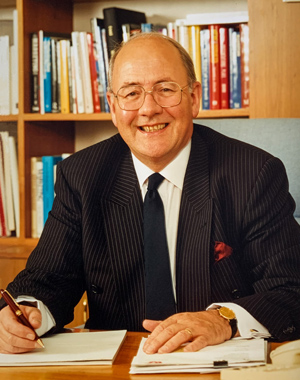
(231, 234)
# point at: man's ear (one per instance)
(112, 105)
(196, 96)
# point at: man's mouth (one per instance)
(153, 128)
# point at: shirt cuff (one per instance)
(248, 326)
(47, 318)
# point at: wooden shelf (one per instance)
(210, 114)
(7, 118)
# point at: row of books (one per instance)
(223, 66)
(43, 175)
(8, 62)
(9, 187)
(69, 72)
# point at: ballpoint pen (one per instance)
(12, 303)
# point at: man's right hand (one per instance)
(14, 337)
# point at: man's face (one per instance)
(154, 134)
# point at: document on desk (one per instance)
(84, 348)
(232, 353)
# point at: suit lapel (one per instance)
(193, 242)
(123, 224)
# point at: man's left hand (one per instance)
(200, 329)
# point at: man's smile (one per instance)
(153, 128)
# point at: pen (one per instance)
(12, 303)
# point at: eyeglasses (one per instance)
(165, 94)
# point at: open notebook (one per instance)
(86, 348)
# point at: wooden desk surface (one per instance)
(118, 371)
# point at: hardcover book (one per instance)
(214, 67)
(114, 18)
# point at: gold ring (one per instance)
(189, 331)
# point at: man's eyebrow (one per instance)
(140, 84)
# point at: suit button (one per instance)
(236, 294)
(96, 289)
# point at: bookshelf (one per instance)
(274, 83)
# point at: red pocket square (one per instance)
(222, 250)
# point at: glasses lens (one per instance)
(130, 97)
(167, 94)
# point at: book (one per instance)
(114, 18)
(205, 63)
(245, 72)
(4, 76)
(86, 73)
(14, 182)
(78, 72)
(35, 107)
(10, 212)
(39, 197)
(80, 348)
(224, 68)
(214, 69)
(47, 74)
(235, 69)
(41, 71)
(95, 81)
(48, 183)
(129, 30)
(64, 46)
(194, 48)
(33, 188)
(3, 207)
(97, 25)
(217, 18)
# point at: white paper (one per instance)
(235, 352)
(86, 348)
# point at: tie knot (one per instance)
(154, 181)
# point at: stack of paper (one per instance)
(232, 353)
(86, 348)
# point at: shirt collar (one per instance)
(174, 172)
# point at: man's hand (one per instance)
(15, 337)
(201, 329)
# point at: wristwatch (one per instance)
(228, 314)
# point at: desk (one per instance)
(118, 371)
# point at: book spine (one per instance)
(4, 76)
(39, 197)
(93, 72)
(205, 68)
(224, 67)
(102, 81)
(33, 181)
(3, 208)
(194, 48)
(245, 72)
(48, 183)
(214, 67)
(78, 73)
(86, 73)
(64, 70)
(41, 71)
(74, 89)
(235, 74)
(14, 182)
(35, 73)
(54, 80)
(47, 74)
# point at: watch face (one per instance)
(227, 313)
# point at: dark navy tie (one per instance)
(160, 302)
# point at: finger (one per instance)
(150, 324)
(197, 344)
(34, 316)
(176, 341)
(160, 336)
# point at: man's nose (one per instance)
(149, 105)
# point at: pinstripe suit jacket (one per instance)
(233, 193)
